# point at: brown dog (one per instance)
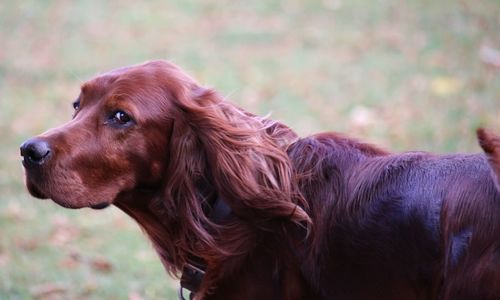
(246, 209)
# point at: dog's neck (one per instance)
(141, 212)
(276, 262)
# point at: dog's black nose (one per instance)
(35, 152)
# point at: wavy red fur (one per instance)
(320, 217)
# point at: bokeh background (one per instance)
(413, 74)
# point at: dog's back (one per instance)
(405, 226)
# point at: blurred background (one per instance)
(414, 74)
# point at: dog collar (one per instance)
(193, 273)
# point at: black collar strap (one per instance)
(191, 280)
(192, 274)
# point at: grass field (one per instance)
(407, 75)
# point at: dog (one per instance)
(240, 207)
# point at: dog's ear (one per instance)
(244, 157)
(240, 156)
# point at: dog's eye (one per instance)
(76, 105)
(121, 118)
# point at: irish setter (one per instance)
(255, 212)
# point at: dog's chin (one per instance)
(72, 204)
(67, 204)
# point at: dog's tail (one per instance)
(490, 143)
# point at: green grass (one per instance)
(88, 254)
(404, 74)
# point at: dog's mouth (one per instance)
(37, 192)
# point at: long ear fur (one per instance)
(246, 158)
(248, 166)
(241, 155)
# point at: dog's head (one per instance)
(116, 141)
(151, 126)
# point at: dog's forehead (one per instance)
(131, 88)
(105, 83)
(137, 77)
(97, 86)
(151, 86)
(130, 75)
